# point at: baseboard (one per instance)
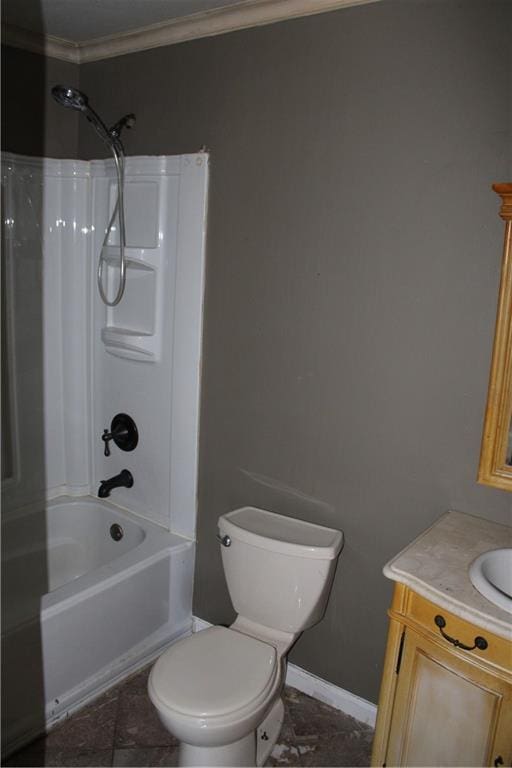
(331, 694)
(314, 686)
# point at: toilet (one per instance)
(219, 690)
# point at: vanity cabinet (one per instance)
(442, 704)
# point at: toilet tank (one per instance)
(279, 570)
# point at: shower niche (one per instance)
(134, 328)
(131, 327)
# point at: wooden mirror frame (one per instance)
(493, 468)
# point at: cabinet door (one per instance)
(448, 711)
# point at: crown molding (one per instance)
(36, 42)
(218, 21)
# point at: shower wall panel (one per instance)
(73, 363)
(45, 247)
(146, 350)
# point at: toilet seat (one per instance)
(213, 673)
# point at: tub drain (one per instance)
(116, 532)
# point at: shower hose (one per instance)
(118, 208)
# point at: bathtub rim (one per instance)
(155, 545)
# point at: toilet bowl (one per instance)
(212, 690)
(218, 691)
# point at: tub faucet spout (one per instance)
(123, 480)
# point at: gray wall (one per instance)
(353, 261)
(32, 124)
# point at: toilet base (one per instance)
(252, 750)
(241, 752)
(267, 733)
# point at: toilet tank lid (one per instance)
(279, 533)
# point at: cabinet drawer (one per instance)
(423, 613)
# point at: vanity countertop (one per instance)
(435, 565)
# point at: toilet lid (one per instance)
(213, 672)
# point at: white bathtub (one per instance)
(92, 608)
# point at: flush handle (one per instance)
(224, 540)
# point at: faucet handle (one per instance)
(124, 433)
(106, 436)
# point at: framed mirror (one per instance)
(496, 454)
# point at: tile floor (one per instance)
(121, 728)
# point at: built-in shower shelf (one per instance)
(134, 345)
(139, 261)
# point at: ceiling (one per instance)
(79, 20)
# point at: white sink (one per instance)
(491, 575)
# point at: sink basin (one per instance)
(491, 575)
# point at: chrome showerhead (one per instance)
(70, 97)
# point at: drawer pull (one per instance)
(480, 642)
(499, 760)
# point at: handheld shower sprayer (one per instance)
(72, 98)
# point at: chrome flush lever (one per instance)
(224, 540)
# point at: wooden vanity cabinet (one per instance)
(441, 704)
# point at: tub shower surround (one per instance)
(99, 606)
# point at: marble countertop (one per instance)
(435, 565)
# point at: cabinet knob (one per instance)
(498, 760)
